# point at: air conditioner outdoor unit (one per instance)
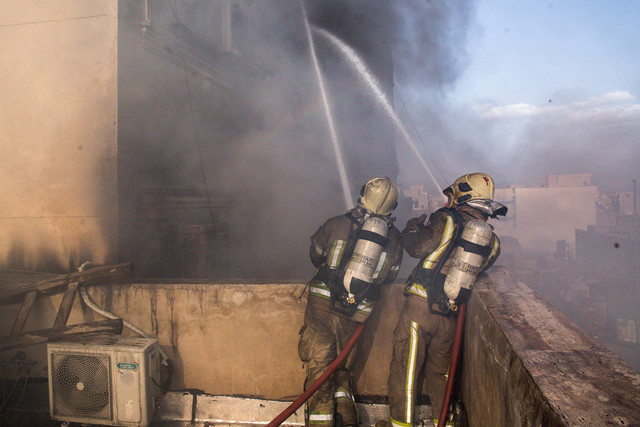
(107, 381)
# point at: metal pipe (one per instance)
(89, 303)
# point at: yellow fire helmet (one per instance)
(475, 190)
(379, 196)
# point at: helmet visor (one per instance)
(488, 207)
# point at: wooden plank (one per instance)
(83, 330)
(95, 275)
(65, 305)
(21, 318)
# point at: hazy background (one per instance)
(232, 140)
(541, 88)
(220, 131)
(519, 91)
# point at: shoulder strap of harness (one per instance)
(330, 276)
(337, 291)
(428, 277)
(356, 226)
(424, 275)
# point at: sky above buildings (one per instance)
(530, 52)
(545, 87)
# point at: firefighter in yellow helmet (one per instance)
(354, 254)
(425, 330)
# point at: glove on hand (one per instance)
(415, 224)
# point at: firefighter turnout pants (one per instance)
(421, 339)
(322, 338)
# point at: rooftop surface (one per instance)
(184, 408)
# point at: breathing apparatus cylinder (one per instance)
(471, 249)
(359, 271)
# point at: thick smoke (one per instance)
(240, 140)
(430, 43)
(221, 132)
(429, 56)
(233, 127)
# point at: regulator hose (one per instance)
(321, 380)
(453, 365)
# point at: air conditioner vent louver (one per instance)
(81, 385)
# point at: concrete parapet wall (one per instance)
(223, 339)
(226, 338)
(242, 339)
(526, 364)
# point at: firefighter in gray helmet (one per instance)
(424, 334)
(354, 253)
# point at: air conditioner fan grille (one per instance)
(80, 386)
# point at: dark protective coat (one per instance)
(326, 331)
(423, 338)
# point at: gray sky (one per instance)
(544, 87)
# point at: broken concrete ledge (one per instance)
(526, 364)
(196, 409)
(232, 410)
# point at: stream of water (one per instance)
(332, 130)
(379, 96)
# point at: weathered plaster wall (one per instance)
(523, 362)
(526, 364)
(58, 113)
(239, 339)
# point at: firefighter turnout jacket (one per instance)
(423, 337)
(326, 330)
(331, 247)
(433, 243)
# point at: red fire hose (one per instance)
(455, 353)
(316, 385)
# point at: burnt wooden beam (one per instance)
(93, 276)
(65, 306)
(23, 314)
(83, 330)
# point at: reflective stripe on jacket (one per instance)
(432, 241)
(328, 248)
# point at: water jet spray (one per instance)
(325, 102)
(380, 97)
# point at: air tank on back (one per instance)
(468, 258)
(359, 271)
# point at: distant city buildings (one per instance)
(576, 246)
(542, 218)
(422, 201)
